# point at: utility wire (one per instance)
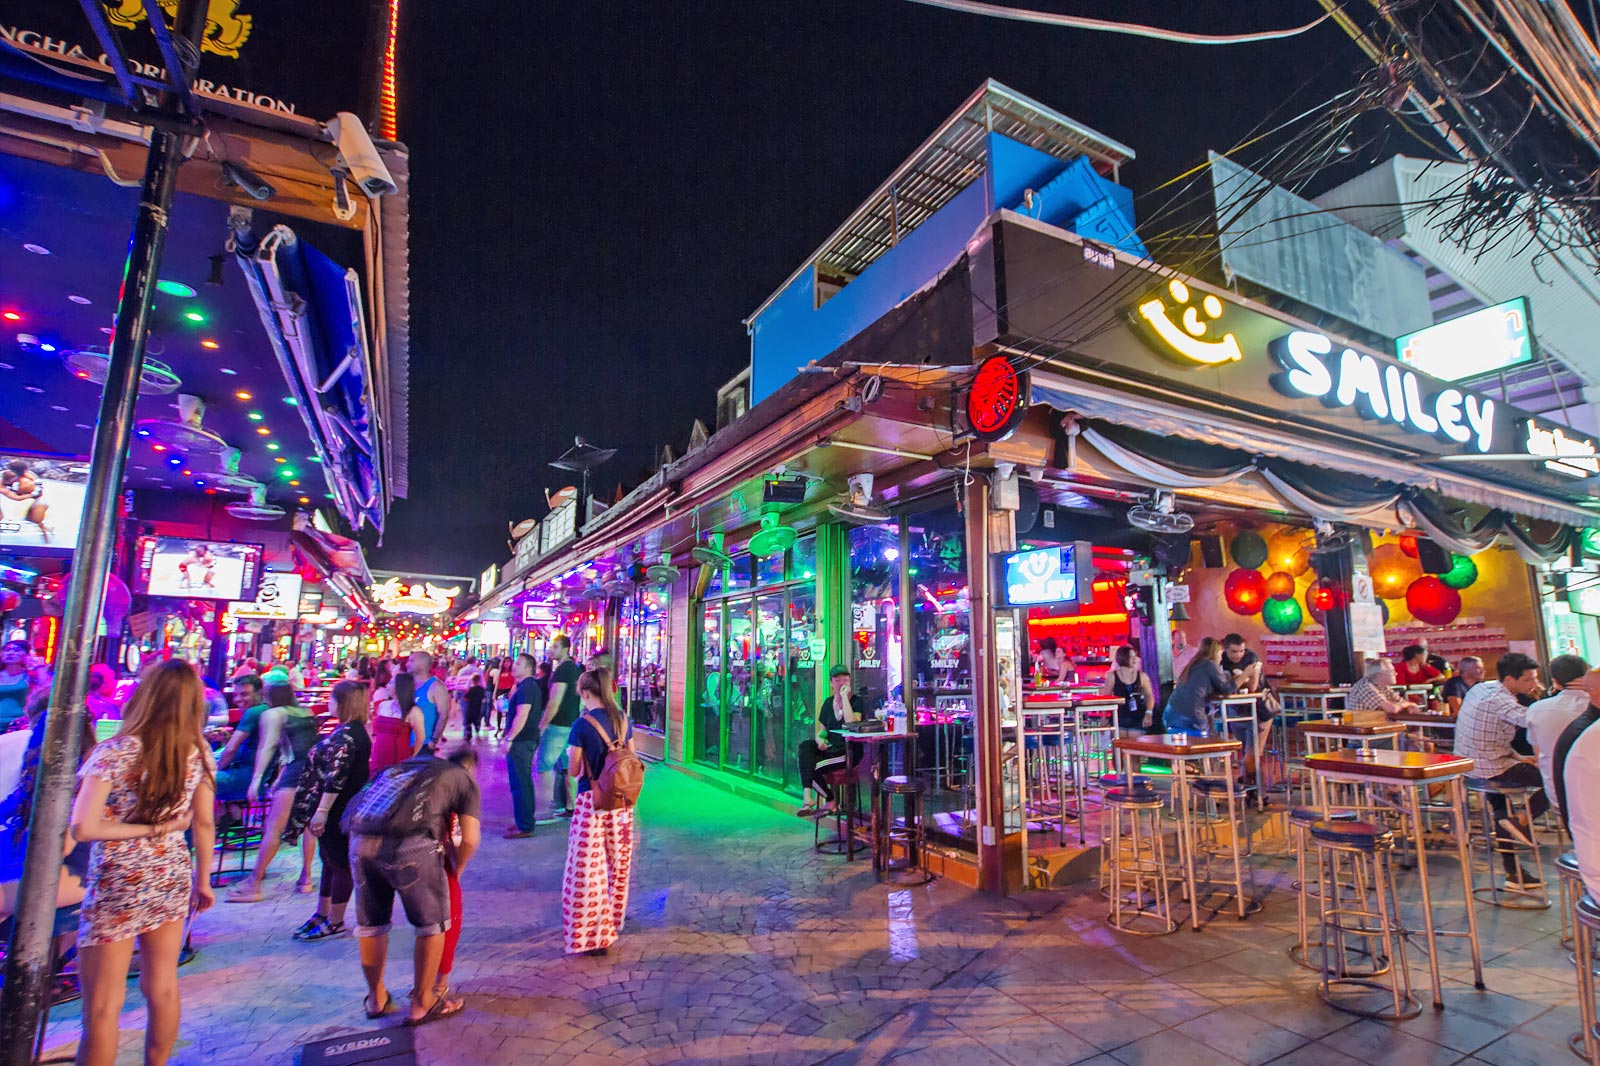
(1132, 29)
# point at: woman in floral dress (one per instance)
(138, 793)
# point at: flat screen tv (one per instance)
(41, 501)
(190, 568)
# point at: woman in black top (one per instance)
(826, 751)
(1201, 682)
(1128, 682)
(336, 769)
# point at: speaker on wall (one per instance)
(1170, 550)
(1435, 558)
(1211, 552)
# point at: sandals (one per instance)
(318, 928)
(442, 1008)
(241, 895)
(304, 885)
(389, 1006)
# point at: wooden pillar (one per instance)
(995, 859)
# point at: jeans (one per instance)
(552, 749)
(519, 769)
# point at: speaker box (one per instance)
(1211, 552)
(1171, 550)
(1435, 558)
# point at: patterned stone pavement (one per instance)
(742, 946)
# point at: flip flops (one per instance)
(442, 1008)
(389, 1006)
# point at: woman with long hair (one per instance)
(336, 770)
(1201, 682)
(290, 731)
(1127, 681)
(599, 843)
(398, 731)
(139, 792)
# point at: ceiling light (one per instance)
(296, 484)
(305, 499)
(291, 401)
(34, 389)
(84, 374)
(256, 416)
(200, 482)
(106, 330)
(175, 461)
(10, 316)
(288, 471)
(243, 394)
(272, 445)
(36, 249)
(280, 459)
(47, 347)
(144, 432)
(57, 407)
(6, 366)
(84, 425)
(209, 343)
(188, 473)
(174, 288)
(211, 492)
(159, 447)
(228, 372)
(313, 459)
(81, 300)
(194, 316)
(264, 431)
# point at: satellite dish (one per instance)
(523, 528)
(92, 364)
(256, 509)
(1160, 515)
(857, 506)
(559, 497)
(184, 433)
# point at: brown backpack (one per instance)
(619, 781)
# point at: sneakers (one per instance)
(1518, 830)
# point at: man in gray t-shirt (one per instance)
(402, 827)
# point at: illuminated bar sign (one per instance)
(1063, 574)
(1482, 342)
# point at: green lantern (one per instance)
(1282, 616)
(1249, 550)
(1462, 573)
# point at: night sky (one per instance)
(602, 192)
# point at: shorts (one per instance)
(410, 867)
(552, 745)
(289, 776)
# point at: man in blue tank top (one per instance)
(432, 699)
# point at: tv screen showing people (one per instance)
(198, 569)
(41, 500)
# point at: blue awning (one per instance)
(312, 310)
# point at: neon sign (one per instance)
(1047, 575)
(1567, 454)
(1190, 341)
(1482, 342)
(1380, 391)
(427, 598)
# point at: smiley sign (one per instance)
(1187, 336)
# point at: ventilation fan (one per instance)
(711, 554)
(857, 505)
(227, 476)
(257, 509)
(616, 587)
(183, 434)
(1159, 515)
(774, 539)
(662, 573)
(594, 591)
(91, 364)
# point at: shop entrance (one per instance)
(756, 691)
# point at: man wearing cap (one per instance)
(827, 750)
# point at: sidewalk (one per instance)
(743, 946)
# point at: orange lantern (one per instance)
(1287, 551)
(1393, 571)
(1280, 585)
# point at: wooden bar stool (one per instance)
(1138, 862)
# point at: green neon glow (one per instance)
(272, 446)
(256, 416)
(287, 472)
(194, 316)
(174, 288)
(291, 401)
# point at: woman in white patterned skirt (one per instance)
(599, 843)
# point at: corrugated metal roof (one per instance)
(1407, 200)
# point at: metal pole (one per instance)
(28, 958)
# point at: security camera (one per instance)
(359, 156)
(242, 177)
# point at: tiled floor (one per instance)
(744, 947)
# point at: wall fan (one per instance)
(184, 433)
(857, 505)
(256, 509)
(1159, 514)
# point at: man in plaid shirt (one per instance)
(1489, 719)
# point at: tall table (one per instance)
(874, 746)
(1419, 723)
(1410, 773)
(1241, 710)
(1179, 751)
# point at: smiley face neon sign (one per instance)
(1188, 336)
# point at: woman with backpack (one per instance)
(600, 839)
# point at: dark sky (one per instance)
(602, 192)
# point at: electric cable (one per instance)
(1132, 29)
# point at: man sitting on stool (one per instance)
(1489, 720)
(827, 750)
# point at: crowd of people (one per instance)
(368, 788)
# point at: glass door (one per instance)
(737, 687)
(708, 726)
(805, 648)
(769, 679)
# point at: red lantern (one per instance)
(10, 600)
(1245, 591)
(1432, 601)
(1408, 544)
(1280, 586)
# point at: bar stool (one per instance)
(241, 836)
(1367, 849)
(1138, 861)
(1585, 1043)
(835, 779)
(1570, 881)
(1105, 783)
(1301, 819)
(907, 833)
(1517, 894)
(1208, 843)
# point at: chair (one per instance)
(1570, 880)
(1138, 861)
(1518, 894)
(1366, 849)
(1301, 819)
(906, 833)
(241, 836)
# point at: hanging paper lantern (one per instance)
(1280, 585)
(1282, 616)
(10, 600)
(1245, 591)
(1321, 597)
(1248, 549)
(1432, 601)
(1288, 552)
(1393, 571)
(1408, 544)
(1462, 573)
